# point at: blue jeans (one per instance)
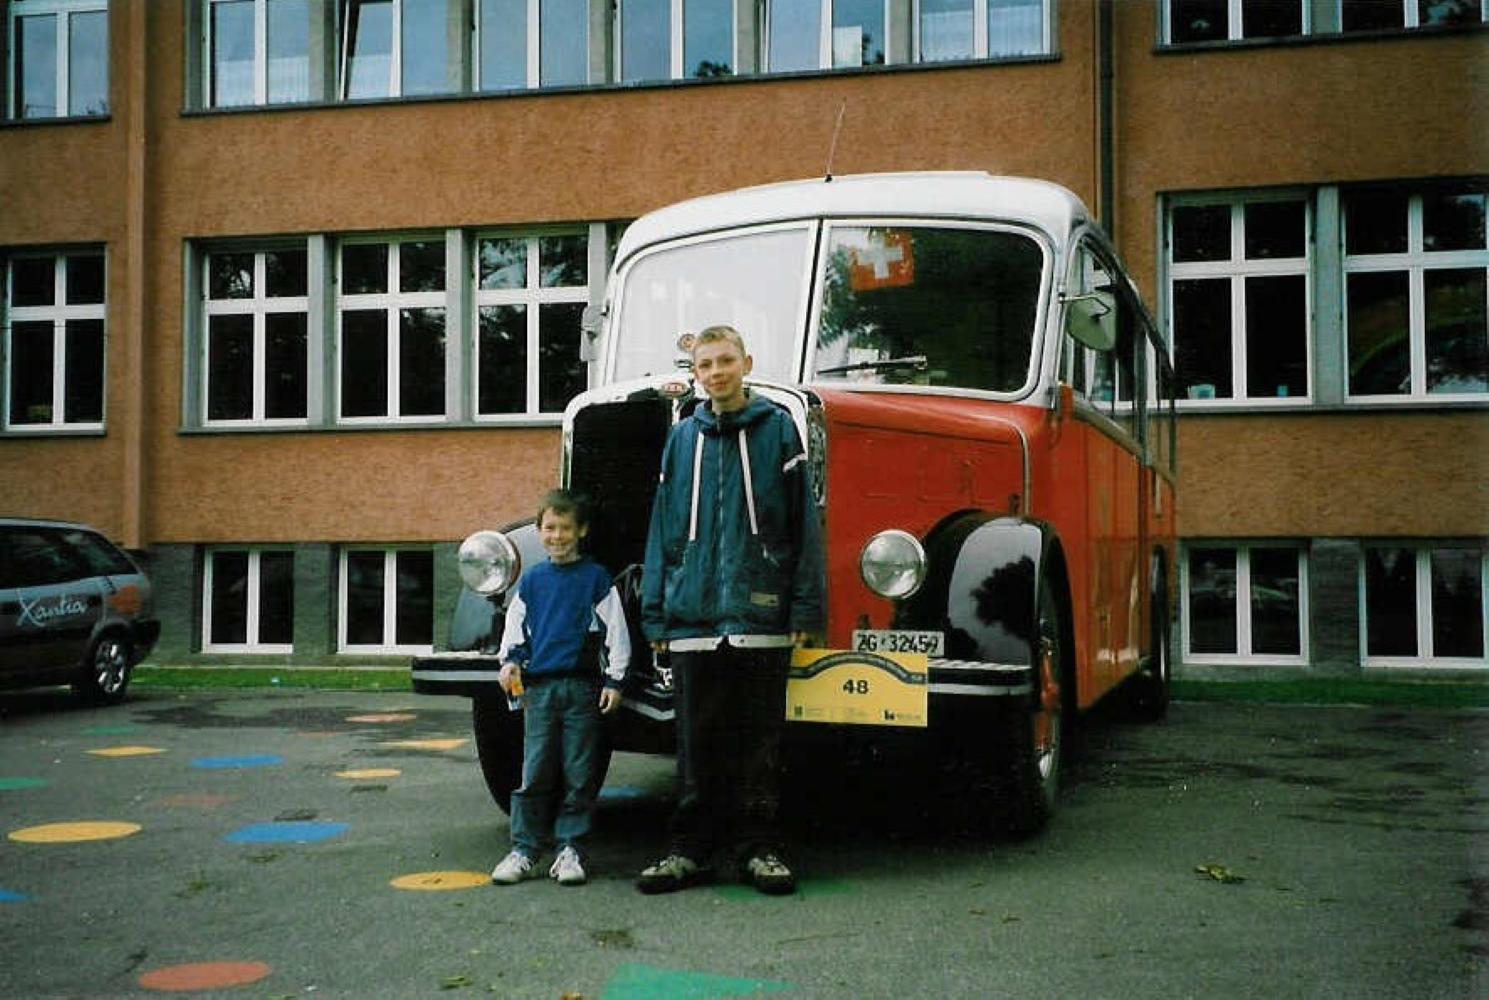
(560, 749)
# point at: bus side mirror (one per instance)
(1092, 319)
(589, 332)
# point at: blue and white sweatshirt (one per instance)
(556, 606)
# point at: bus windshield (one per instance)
(930, 305)
(754, 281)
(934, 306)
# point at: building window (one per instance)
(1424, 606)
(391, 347)
(54, 341)
(530, 297)
(1239, 298)
(531, 43)
(249, 601)
(1232, 20)
(1416, 294)
(1245, 602)
(675, 39)
(397, 48)
(258, 52)
(981, 29)
(257, 336)
(59, 58)
(386, 600)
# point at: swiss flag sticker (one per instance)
(885, 263)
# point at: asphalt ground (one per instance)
(279, 844)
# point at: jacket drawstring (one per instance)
(749, 485)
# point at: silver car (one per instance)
(74, 609)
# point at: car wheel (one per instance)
(105, 677)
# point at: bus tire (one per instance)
(1148, 689)
(498, 732)
(1038, 729)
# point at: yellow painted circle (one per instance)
(126, 751)
(370, 772)
(436, 881)
(72, 833)
(437, 744)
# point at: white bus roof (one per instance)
(923, 194)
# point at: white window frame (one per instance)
(260, 307)
(392, 303)
(64, 11)
(59, 313)
(1244, 654)
(389, 602)
(1425, 657)
(533, 296)
(1416, 261)
(1235, 270)
(255, 592)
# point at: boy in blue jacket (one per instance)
(733, 580)
(562, 613)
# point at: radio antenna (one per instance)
(837, 130)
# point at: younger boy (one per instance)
(550, 651)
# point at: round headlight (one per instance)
(892, 564)
(488, 562)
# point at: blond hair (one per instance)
(714, 334)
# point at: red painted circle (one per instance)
(204, 976)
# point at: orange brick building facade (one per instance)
(193, 229)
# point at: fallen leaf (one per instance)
(1219, 873)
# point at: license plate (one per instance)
(898, 641)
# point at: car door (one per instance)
(49, 602)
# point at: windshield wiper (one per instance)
(916, 362)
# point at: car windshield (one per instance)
(754, 281)
(935, 306)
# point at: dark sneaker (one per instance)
(672, 873)
(769, 874)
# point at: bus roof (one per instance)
(922, 194)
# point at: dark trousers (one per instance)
(731, 710)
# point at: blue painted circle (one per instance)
(255, 760)
(285, 833)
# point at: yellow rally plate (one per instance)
(867, 689)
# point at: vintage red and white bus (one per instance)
(988, 412)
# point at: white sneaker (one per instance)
(566, 868)
(513, 869)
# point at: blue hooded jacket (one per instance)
(735, 545)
